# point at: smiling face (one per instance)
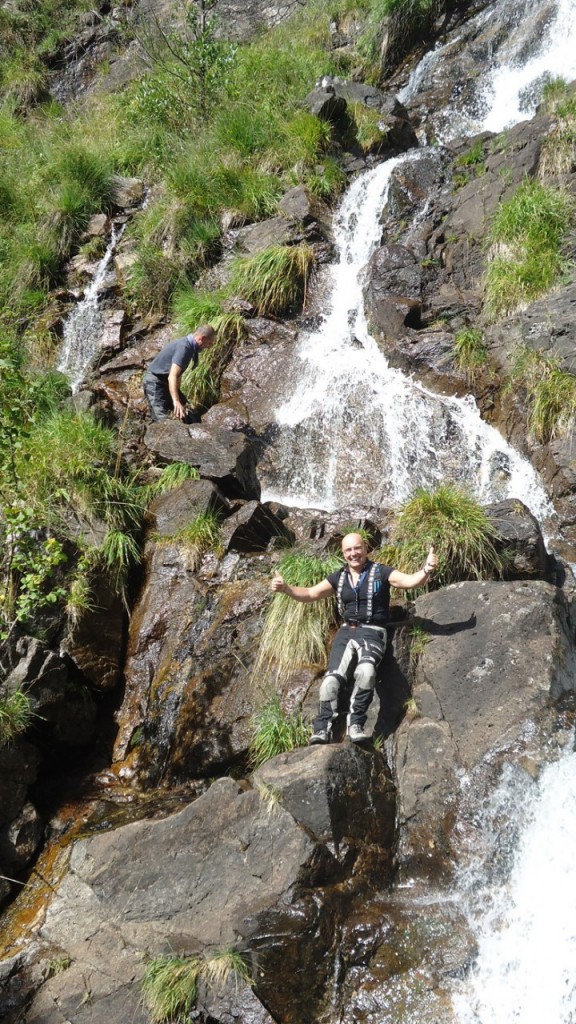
(355, 551)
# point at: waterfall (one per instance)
(524, 912)
(354, 426)
(82, 328)
(538, 44)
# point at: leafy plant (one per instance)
(295, 633)
(15, 715)
(275, 732)
(526, 241)
(457, 526)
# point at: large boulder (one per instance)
(223, 456)
(496, 655)
(230, 869)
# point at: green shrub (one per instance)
(526, 242)
(15, 715)
(276, 279)
(295, 633)
(550, 394)
(275, 732)
(458, 528)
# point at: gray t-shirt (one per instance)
(182, 351)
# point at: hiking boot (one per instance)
(320, 736)
(357, 734)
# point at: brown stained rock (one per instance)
(168, 598)
(225, 457)
(95, 643)
(224, 871)
(255, 238)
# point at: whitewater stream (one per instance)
(82, 329)
(525, 917)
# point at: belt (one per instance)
(362, 625)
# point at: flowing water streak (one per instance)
(526, 922)
(539, 44)
(354, 426)
(82, 327)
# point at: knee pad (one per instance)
(365, 675)
(329, 688)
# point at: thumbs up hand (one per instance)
(431, 562)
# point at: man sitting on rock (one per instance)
(362, 590)
(162, 378)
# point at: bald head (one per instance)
(354, 550)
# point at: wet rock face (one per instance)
(231, 868)
(497, 653)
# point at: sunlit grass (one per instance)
(459, 529)
(275, 732)
(295, 633)
(526, 247)
(550, 394)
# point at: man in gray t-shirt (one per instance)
(162, 378)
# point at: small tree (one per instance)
(187, 60)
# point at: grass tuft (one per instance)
(275, 280)
(457, 526)
(15, 716)
(526, 247)
(275, 732)
(295, 633)
(170, 983)
(470, 352)
(550, 395)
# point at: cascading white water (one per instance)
(355, 427)
(539, 43)
(82, 327)
(525, 920)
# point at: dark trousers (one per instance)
(160, 401)
(354, 659)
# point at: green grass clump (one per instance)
(170, 983)
(15, 715)
(458, 528)
(169, 987)
(470, 352)
(202, 384)
(275, 732)
(550, 394)
(172, 476)
(295, 633)
(275, 280)
(526, 243)
(200, 535)
(558, 149)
